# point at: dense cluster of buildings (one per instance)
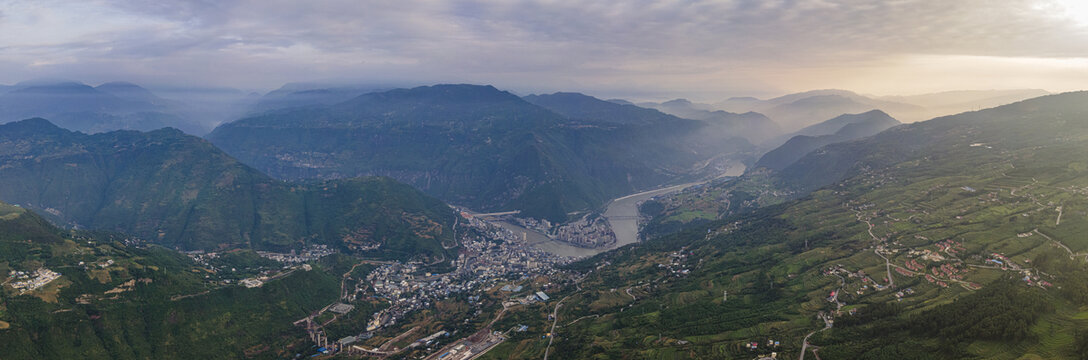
(471, 347)
(309, 253)
(677, 264)
(30, 281)
(859, 289)
(589, 232)
(200, 256)
(540, 225)
(482, 263)
(218, 273)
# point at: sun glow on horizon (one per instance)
(1076, 10)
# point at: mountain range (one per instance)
(296, 95)
(954, 102)
(839, 129)
(957, 237)
(795, 111)
(481, 147)
(181, 191)
(754, 127)
(80, 107)
(856, 237)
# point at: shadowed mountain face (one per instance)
(478, 146)
(842, 128)
(79, 107)
(181, 191)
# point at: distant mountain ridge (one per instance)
(181, 191)
(776, 179)
(796, 111)
(753, 126)
(954, 102)
(478, 146)
(841, 128)
(582, 107)
(81, 107)
(835, 124)
(942, 136)
(296, 95)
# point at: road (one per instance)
(498, 316)
(827, 324)
(1072, 255)
(555, 319)
(504, 213)
(633, 298)
(1013, 191)
(804, 343)
(842, 284)
(179, 297)
(308, 321)
(887, 263)
(485, 332)
(344, 279)
(456, 221)
(581, 318)
(389, 344)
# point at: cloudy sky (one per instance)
(648, 49)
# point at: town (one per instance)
(29, 281)
(591, 231)
(489, 256)
(222, 268)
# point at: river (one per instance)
(622, 215)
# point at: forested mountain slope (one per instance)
(477, 146)
(181, 191)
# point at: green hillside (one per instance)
(145, 302)
(964, 239)
(181, 191)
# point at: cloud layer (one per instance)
(615, 47)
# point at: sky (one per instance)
(634, 48)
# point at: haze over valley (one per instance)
(544, 179)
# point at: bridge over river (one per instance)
(622, 215)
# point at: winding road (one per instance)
(804, 343)
(1072, 255)
(555, 319)
(887, 263)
